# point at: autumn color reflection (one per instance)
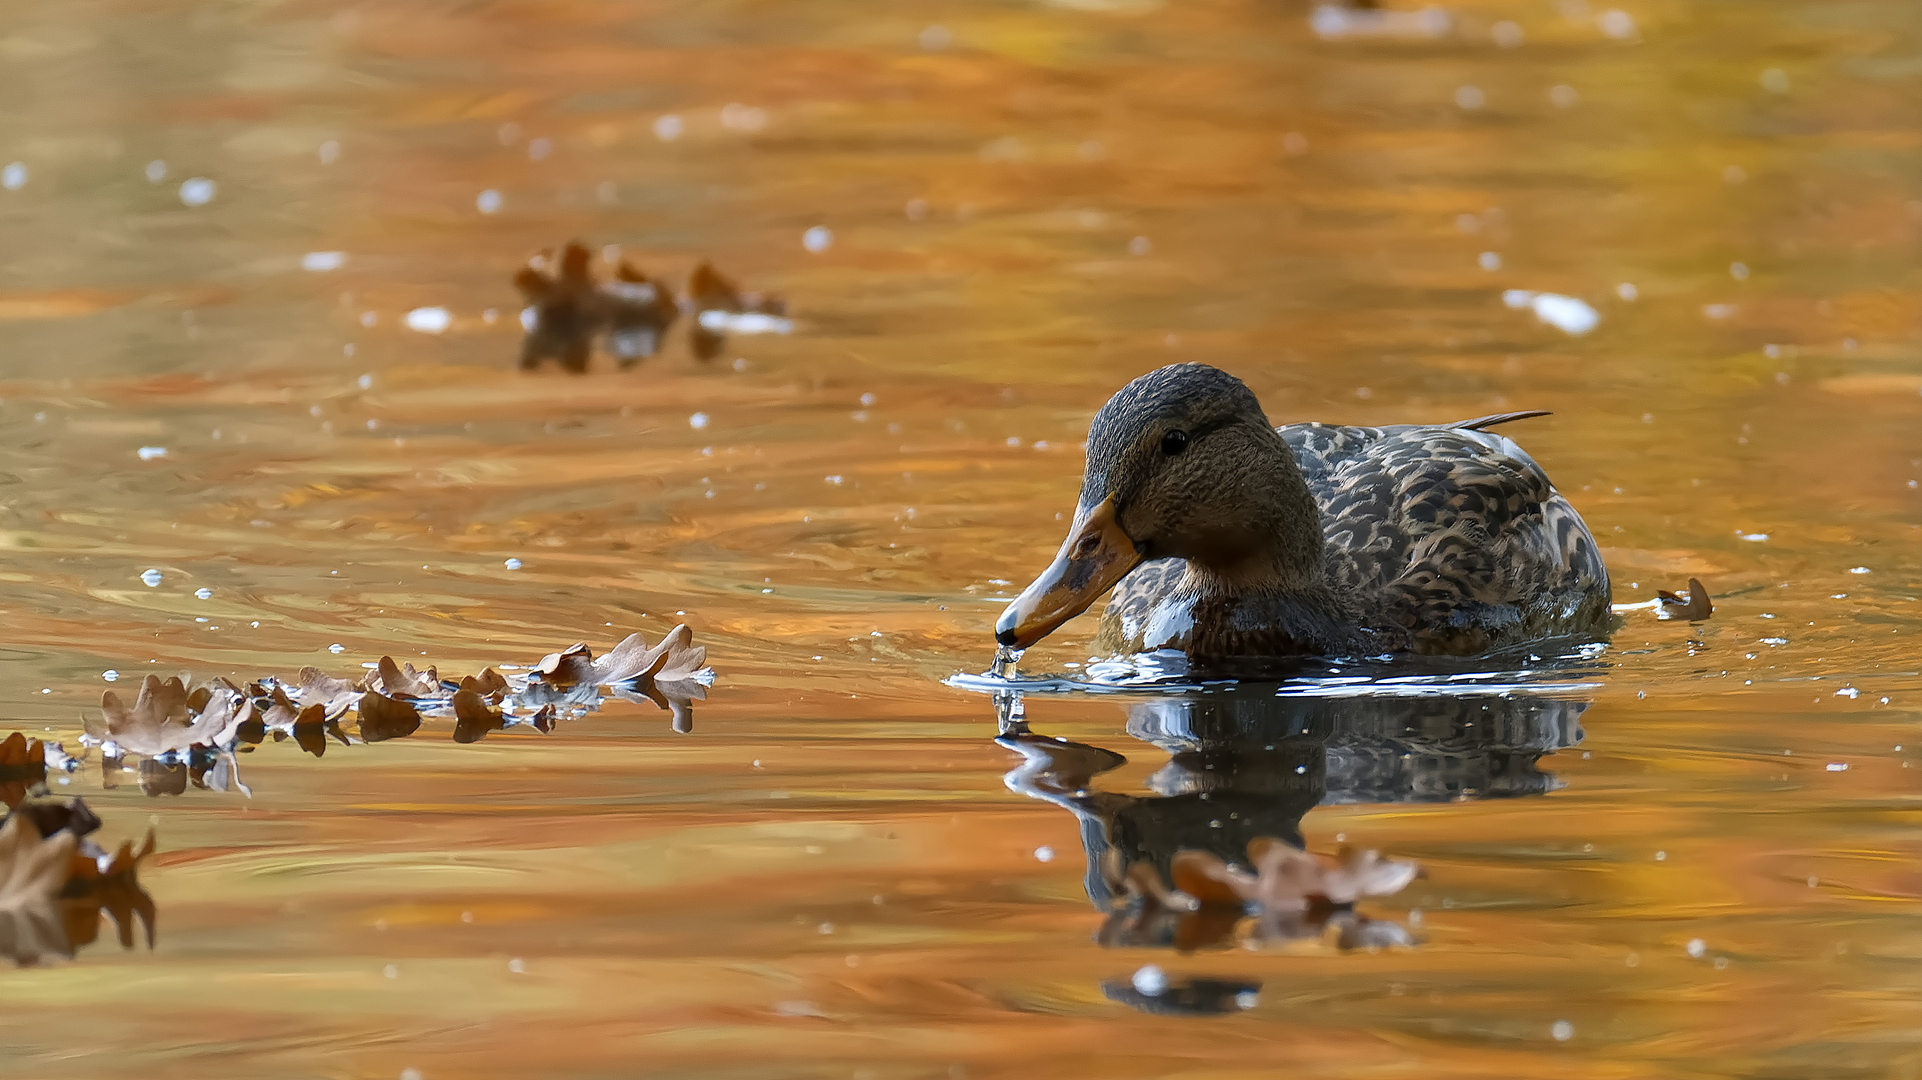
(1214, 854)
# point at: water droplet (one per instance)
(156, 171)
(198, 191)
(1562, 1031)
(152, 578)
(323, 261)
(818, 239)
(697, 421)
(148, 453)
(668, 128)
(489, 201)
(336, 648)
(14, 176)
(512, 564)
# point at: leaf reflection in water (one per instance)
(55, 883)
(1214, 854)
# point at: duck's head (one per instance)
(1181, 463)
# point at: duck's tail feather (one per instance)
(1483, 423)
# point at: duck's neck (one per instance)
(1262, 588)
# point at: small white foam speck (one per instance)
(198, 191)
(148, 453)
(489, 201)
(1151, 981)
(322, 261)
(818, 239)
(429, 320)
(512, 564)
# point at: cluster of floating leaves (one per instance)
(55, 881)
(568, 309)
(1289, 895)
(190, 733)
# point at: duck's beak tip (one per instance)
(1096, 554)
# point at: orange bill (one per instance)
(1096, 554)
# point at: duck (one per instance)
(1228, 539)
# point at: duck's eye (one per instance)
(1174, 442)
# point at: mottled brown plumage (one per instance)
(1311, 539)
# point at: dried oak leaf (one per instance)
(674, 659)
(488, 684)
(568, 309)
(162, 720)
(32, 873)
(712, 291)
(316, 687)
(404, 681)
(58, 813)
(383, 718)
(308, 726)
(717, 300)
(1695, 607)
(474, 717)
(23, 761)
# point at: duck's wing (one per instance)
(1451, 533)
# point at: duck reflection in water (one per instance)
(1222, 822)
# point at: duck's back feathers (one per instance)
(1439, 538)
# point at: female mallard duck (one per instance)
(1233, 539)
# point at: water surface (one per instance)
(1025, 205)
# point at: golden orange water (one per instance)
(1025, 204)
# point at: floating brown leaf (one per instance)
(23, 761)
(1694, 607)
(474, 717)
(383, 718)
(716, 299)
(675, 658)
(53, 813)
(33, 871)
(403, 681)
(489, 684)
(712, 291)
(316, 687)
(162, 720)
(569, 310)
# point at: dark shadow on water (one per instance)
(1244, 764)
